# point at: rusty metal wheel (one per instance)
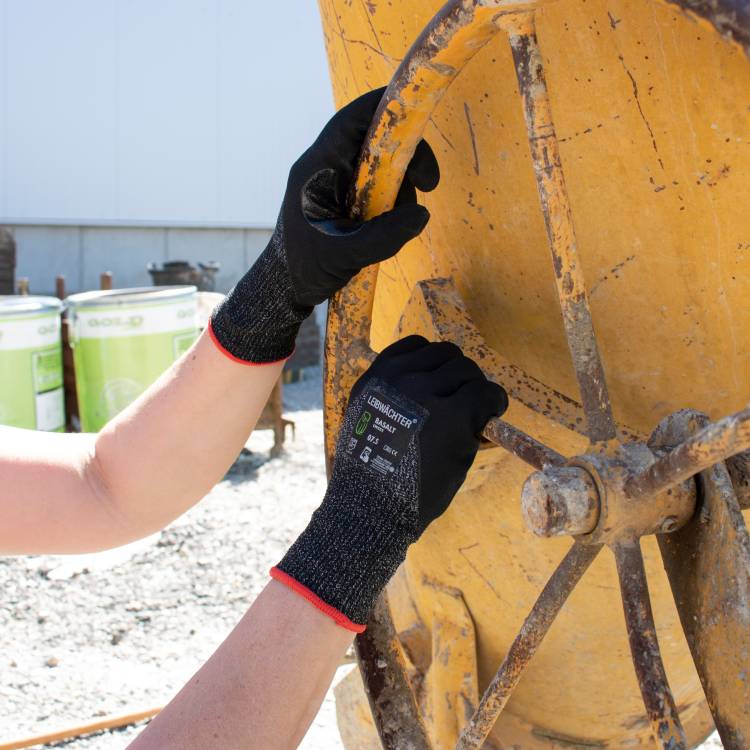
(680, 485)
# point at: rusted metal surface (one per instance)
(522, 445)
(381, 663)
(708, 565)
(272, 417)
(418, 85)
(451, 322)
(739, 470)
(644, 647)
(453, 37)
(731, 18)
(714, 443)
(560, 501)
(558, 219)
(587, 499)
(535, 627)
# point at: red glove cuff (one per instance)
(338, 617)
(231, 356)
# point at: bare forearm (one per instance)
(77, 493)
(166, 451)
(262, 687)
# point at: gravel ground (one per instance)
(88, 636)
(93, 635)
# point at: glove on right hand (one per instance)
(410, 434)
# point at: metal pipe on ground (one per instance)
(108, 722)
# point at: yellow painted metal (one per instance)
(653, 119)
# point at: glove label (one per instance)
(382, 432)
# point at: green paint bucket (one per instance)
(31, 371)
(123, 340)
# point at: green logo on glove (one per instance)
(364, 420)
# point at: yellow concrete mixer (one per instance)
(613, 136)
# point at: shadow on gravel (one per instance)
(245, 468)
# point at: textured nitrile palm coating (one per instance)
(317, 248)
(360, 534)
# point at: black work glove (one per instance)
(316, 248)
(410, 434)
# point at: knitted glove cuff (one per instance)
(359, 535)
(258, 321)
(344, 562)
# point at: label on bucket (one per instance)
(31, 372)
(25, 333)
(50, 410)
(98, 323)
(48, 383)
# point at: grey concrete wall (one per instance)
(82, 253)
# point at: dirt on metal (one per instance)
(708, 564)
(655, 182)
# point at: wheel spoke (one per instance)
(708, 565)
(392, 702)
(535, 627)
(521, 445)
(714, 443)
(644, 647)
(558, 219)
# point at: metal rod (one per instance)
(558, 219)
(644, 647)
(60, 287)
(739, 469)
(714, 443)
(535, 627)
(392, 701)
(520, 444)
(97, 725)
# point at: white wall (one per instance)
(156, 111)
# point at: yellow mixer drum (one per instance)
(648, 118)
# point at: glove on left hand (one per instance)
(316, 248)
(409, 437)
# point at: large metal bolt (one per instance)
(560, 501)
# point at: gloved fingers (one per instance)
(324, 206)
(423, 171)
(403, 346)
(478, 401)
(422, 174)
(407, 194)
(384, 362)
(428, 358)
(346, 130)
(382, 237)
(453, 375)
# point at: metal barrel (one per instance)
(651, 129)
(31, 394)
(123, 340)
